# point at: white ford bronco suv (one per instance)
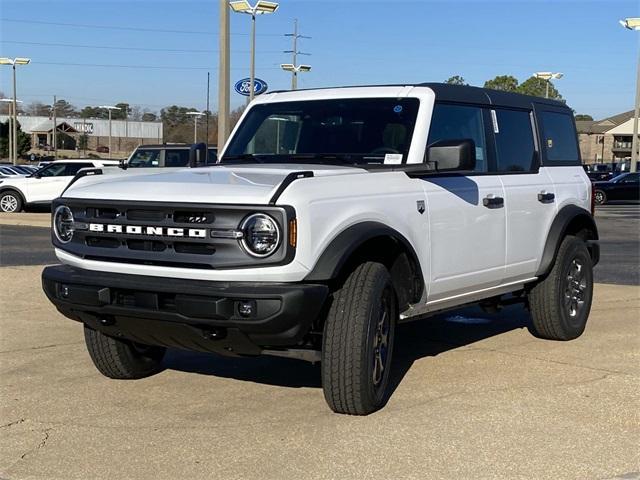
(333, 215)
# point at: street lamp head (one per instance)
(196, 114)
(264, 6)
(548, 75)
(109, 107)
(6, 61)
(22, 61)
(304, 68)
(240, 6)
(289, 67)
(632, 23)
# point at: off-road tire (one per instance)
(13, 198)
(600, 197)
(121, 359)
(550, 301)
(351, 333)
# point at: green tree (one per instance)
(582, 116)
(506, 83)
(122, 113)
(538, 88)
(456, 80)
(65, 109)
(24, 140)
(149, 117)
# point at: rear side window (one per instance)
(73, 168)
(559, 140)
(460, 122)
(515, 147)
(176, 158)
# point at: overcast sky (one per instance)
(155, 53)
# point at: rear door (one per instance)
(466, 211)
(530, 196)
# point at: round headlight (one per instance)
(261, 235)
(63, 224)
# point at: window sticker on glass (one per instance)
(392, 158)
(549, 143)
(494, 120)
(397, 108)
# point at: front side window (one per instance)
(515, 147)
(460, 122)
(337, 131)
(559, 140)
(53, 170)
(145, 158)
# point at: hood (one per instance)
(251, 184)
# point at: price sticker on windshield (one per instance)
(393, 159)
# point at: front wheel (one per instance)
(600, 197)
(122, 359)
(358, 341)
(560, 303)
(10, 202)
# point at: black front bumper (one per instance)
(187, 314)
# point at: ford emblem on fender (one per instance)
(243, 86)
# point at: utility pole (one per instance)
(55, 129)
(224, 76)
(208, 112)
(634, 141)
(294, 52)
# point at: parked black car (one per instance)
(623, 187)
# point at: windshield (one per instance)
(362, 130)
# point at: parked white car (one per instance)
(43, 186)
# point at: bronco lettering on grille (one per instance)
(152, 231)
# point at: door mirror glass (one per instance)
(452, 155)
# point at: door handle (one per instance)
(546, 197)
(491, 201)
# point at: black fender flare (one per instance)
(340, 249)
(560, 228)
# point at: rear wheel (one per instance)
(358, 341)
(600, 197)
(122, 359)
(10, 201)
(560, 303)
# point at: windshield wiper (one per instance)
(248, 157)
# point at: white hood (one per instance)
(238, 184)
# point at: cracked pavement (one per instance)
(478, 400)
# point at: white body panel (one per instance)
(466, 250)
(46, 189)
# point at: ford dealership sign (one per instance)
(242, 86)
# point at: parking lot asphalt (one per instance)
(475, 397)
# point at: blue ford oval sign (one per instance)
(243, 86)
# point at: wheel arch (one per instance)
(7, 188)
(570, 220)
(372, 241)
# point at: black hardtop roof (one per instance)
(463, 93)
(170, 145)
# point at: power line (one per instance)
(140, 49)
(154, 67)
(117, 27)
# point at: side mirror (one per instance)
(35, 175)
(198, 155)
(123, 164)
(452, 155)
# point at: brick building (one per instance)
(605, 141)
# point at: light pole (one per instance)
(295, 69)
(109, 108)
(195, 116)
(13, 62)
(548, 76)
(634, 24)
(260, 8)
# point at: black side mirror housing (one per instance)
(123, 164)
(198, 155)
(452, 155)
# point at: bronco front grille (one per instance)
(167, 234)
